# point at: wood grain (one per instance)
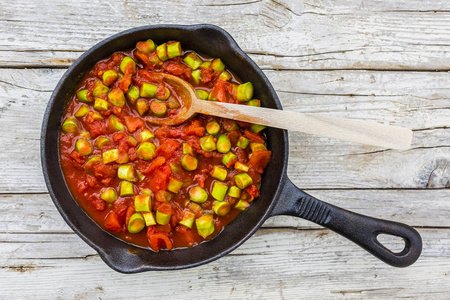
(273, 264)
(287, 34)
(379, 60)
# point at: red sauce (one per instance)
(87, 180)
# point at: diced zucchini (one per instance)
(225, 76)
(219, 173)
(189, 162)
(257, 128)
(205, 64)
(114, 123)
(254, 102)
(161, 51)
(207, 143)
(126, 172)
(244, 92)
(242, 205)
(133, 94)
(202, 94)
(140, 175)
(221, 208)
(187, 149)
(196, 76)
(132, 141)
(85, 134)
(174, 167)
(100, 104)
(174, 185)
(257, 147)
(188, 219)
(126, 189)
(223, 144)
(146, 46)
(163, 196)
(100, 89)
(243, 142)
(163, 96)
(241, 167)
(219, 190)
(212, 128)
(110, 156)
(198, 194)
(88, 166)
(83, 147)
(128, 65)
(136, 223)
(142, 106)
(70, 125)
(109, 195)
(205, 225)
(230, 125)
(146, 151)
(101, 141)
(229, 159)
(243, 180)
(143, 203)
(82, 111)
(84, 96)
(158, 108)
(234, 192)
(149, 218)
(173, 49)
(192, 60)
(145, 135)
(109, 77)
(116, 97)
(217, 65)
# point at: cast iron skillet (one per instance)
(278, 195)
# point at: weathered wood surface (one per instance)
(273, 264)
(282, 34)
(380, 60)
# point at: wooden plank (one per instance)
(287, 34)
(39, 215)
(418, 100)
(273, 264)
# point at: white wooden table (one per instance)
(379, 60)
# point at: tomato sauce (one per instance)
(96, 125)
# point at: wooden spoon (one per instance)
(353, 130)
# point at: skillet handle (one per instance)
(360, 229)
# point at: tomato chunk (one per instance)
(254, 137)
(158, 240)
(112, 222)
(153, 166)
(133, 123)
(167, 148)
(160, 179)
(259, 160)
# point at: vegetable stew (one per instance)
(161, 187)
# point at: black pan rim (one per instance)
(45, 128)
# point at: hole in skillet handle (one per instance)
(360, 229)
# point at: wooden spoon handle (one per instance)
(353, 130)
